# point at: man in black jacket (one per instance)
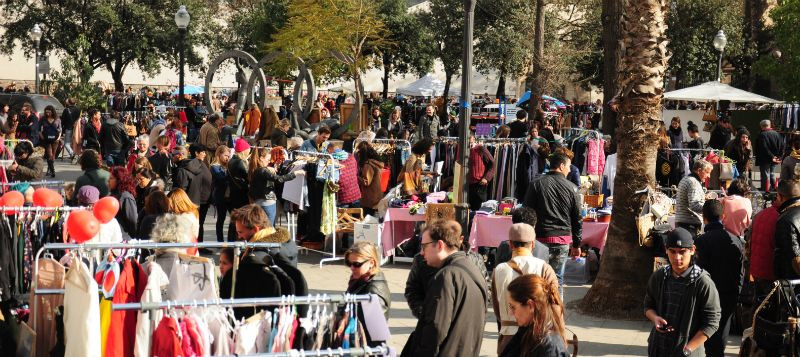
(114, 142)
(720, 253)
(454, 312)
(681, 302)
(769, 151)
(555, 200)
(68, 117)
(787, 240)
(162, 162)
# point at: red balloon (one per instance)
(82, 226)
(105, 209)
(45, 197)
(13, 199)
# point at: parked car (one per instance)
(38, 101)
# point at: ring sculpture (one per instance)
(244, 92)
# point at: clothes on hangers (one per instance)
(81, 313)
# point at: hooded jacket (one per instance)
(454, 314)
(369, 180)
(288, 247)
(114, 137)
(700, 308)
(194, 177)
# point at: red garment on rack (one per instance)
(122, 329)
(182, 116)
(165, 339)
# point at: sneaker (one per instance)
(74, 160)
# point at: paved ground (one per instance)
(598, 337)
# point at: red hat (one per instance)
(241, 145)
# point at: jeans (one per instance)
(67, 138)
(768, 180)
(203, 213)
(222, 211)
(557, 261)
(271, 210)
(476, 195)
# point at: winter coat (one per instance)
(369, 180)
(741, 155)
(675, 138)
(114, 137)
(219, 182)
(454, 313)
(769, 145)
(91, 137)
(787, 239)
(288, 247)
(263, 185)
(237, 174)
(163, 166)
(551, 346)
(719, 137)
(194, 177)
(128, 214)
(143, 192)
(396, 131)
(721, 254)
(209, 137)
(700, 309)
(557, 207)
(376, 285)
(788, 165)
(93, 177)
(279, 138)
(254, 279)
(30, 169)
(527, 170)
(417, 283)
(669, 168)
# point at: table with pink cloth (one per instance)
(490, 230)
(398, 225)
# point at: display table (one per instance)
(398, 225)
(491, 230)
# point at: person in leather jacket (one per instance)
(366, 278)
(787, 240)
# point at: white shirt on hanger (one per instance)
(81, 313)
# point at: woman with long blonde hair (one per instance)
(180, 204)
(537, 307)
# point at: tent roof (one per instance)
(425, 87)
(716, 91)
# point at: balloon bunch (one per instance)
(81, 225)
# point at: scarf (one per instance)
(96, 126)
(354, 283)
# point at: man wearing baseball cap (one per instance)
(681, 301)
(521, 237)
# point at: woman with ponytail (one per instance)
(537, 307)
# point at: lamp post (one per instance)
(182, 21)
(36, 35)
(465, 111)
(720, 41)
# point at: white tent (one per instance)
(716, 91)
(425, 87)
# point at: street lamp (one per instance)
(36, 35)
(182, 21)
(720, 40)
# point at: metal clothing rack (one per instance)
(282, 300)
(35, 183)
(293, 155)
(392, 141)
(366, 351)
(42, 209)
(501, 140)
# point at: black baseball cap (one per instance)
(679, 238)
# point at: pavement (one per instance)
(596, 336)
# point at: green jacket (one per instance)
(94, 177)
(700, 309)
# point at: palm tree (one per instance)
(625, 267)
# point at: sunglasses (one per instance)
(355, 264)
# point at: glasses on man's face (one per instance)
(355, 264)
(422, 246)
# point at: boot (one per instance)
(51, 170)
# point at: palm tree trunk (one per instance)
(625, 267)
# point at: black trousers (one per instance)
(715, 345)
(476, 196)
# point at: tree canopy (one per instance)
(784, 69)
(119, 33)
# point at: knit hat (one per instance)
(241, 145)
(679, 238)
(521, 232)
(88, 195)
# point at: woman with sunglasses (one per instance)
(536, 306)
(366, 278)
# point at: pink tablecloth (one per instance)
(489, 231)
(398, 225)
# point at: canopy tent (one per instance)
(427, 86)
(527, 96)
(190, 90)
(716, 91)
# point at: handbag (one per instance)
(725, 171)
(710, 116)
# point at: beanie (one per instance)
(241, 145)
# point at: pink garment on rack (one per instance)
(595, 157)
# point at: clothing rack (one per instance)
(42, 209)
(501, 140)
(392, 141)
(283, 300)
(237, 246)
(367, 351)
(701, 150)
(35, 183)
(293, 155)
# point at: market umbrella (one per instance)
(716, 91)
(527, 96)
